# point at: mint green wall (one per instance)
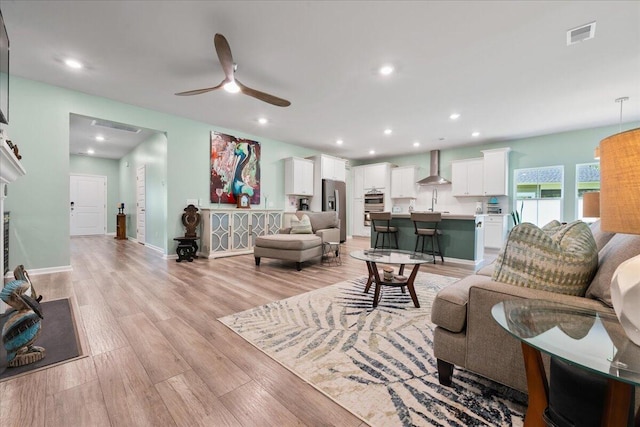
(565, 148)
(39, 201)
(152, 153)
(86, 165)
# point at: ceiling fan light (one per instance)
(72, 63)
(231, 87)
(386, 70)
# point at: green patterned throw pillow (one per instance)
(561, 259)
(301, 226)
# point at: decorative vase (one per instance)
(625, 297)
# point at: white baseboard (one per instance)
(46, 270)
(155, 248)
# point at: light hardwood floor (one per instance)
(157, 356)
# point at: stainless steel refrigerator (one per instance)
(334, 199)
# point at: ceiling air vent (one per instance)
(114, 125)
(581, 33)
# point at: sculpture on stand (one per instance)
(22, 325)
(190, 220)
(187, 245)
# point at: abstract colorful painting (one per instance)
(235, 168)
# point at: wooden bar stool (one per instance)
(381, 224)
(426, 225)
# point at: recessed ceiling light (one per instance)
(475, 134)
(263, 121)
(99, 138)
(372, 152)
(339, 142)
(387, 131)
(386, 70)
(416, 144)
(231, 87)
(90, 151)
(454, 116)
(72, 63)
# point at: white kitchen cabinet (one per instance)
(377, 176)
(298, 176)
(496, 172)
(495, 230)
(325, 167)
(357, 219)
(233, 231)
(357, 174)
(403, 182)
(467, 177)
(329, 167)
(357, 203)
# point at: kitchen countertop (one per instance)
(445, 215)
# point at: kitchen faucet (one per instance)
(434, 199)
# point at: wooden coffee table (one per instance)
(391, 256)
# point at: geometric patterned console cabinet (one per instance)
(233, 231)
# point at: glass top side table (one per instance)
(391, 256)
(591, 340)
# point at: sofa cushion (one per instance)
(559, 259)
(449, 309)
(601, 237)
(620, 248)
(289, 242)
(323, 220)
(301, 226)
(487, 270)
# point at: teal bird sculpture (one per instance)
(22, 326)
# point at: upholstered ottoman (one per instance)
(288, 247)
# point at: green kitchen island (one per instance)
(462, 236)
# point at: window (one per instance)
(587, 179)
(539, 193)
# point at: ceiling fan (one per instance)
(230, 83)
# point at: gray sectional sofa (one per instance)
(325, 227)
(466, 335)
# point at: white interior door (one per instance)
(88, 195)
(140, 204)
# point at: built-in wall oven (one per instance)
(373, 202)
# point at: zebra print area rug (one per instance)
(377, 363)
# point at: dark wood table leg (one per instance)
(378, 283)
(537, 387)
(412, 290)
(401, 272)
(616, 404)
(367, 286)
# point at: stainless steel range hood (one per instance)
(434, 177)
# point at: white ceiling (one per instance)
(504, 66)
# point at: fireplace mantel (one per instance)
(10, 167)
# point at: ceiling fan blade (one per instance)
(199, 91)
(263, 96)
(224, 55)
